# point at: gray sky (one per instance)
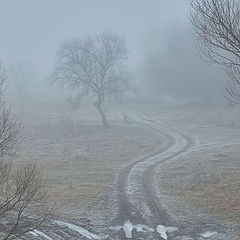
(32, 30)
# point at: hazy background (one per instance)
(162, 56)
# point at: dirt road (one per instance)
(140, 214)
(140, 211)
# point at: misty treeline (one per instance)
(171, 66)
(172, 69)
(23, 199)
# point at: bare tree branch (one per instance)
(216, 26)
(22, 196)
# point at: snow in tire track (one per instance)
(141, 180)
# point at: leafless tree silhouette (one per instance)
(216, 27)
(23, 205)
(95, 66)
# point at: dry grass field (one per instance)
(79, 158)
(203, 184)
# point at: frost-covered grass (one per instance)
(80, 158)
(80, 230)
(203, 184)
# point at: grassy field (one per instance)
(203, 184)
(78, 156)
(81, 159)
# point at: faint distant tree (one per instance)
(20, 77)
(216, 24)
(23, 206)
(95, 66)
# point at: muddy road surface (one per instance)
(140, 212)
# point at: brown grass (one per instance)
(80, 160)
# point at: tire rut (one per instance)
(130, 211)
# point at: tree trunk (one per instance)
(103, 115)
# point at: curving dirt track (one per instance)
(138, 200)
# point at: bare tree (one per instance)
(20, 76)
(95, 66)
(23, 205)
(9, 128)
(216, 24)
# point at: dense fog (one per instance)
(119, 119)
(173, 68)
(162, 59)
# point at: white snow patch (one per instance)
(84, 232)
(33, 233)
(128, 228)
(116, 228)
(208, 234)
(36, 233)
(162, 231)
(143, 228)
(171, 229)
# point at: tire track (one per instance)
(130, 211)
(126, 209)
(143, 173)
(149, 179)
